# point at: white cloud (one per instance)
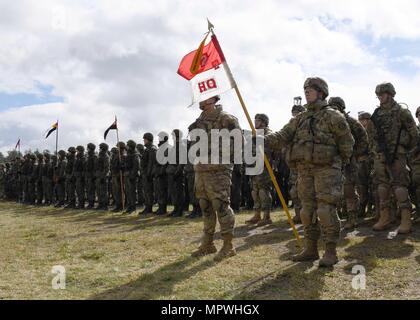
(109, 58)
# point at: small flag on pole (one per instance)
(111, 127)
(51, 130)
(206, 70)
(17, 144)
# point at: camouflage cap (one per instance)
(71, 150)
(91, 146)
(148, 136)
(131, 144)
(317, 84)
(80, 148)
(337, 102)
(385, 87)
(263, 117)
(103, 146)
(364, 115)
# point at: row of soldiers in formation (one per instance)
(79, 179)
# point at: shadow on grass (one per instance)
(157, 284)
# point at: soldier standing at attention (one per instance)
(394, 135)
(70, 180)
(360, 153)
(146, 171)
(79, 175)
(320, 145)
(213, 183)
(101, 175)
(261, 184)
(61, 178)
(131, 173)
(115, 167)
(90, 175)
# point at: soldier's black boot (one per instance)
(117, 208)
(91, 205)
(130, 209)
(177, 212)
(70, 205)
(147, 209)
(161, 210)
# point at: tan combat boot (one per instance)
(227, 249)
(384, 222)
(351, 222)
(207, 247)
(266, 220)
(255, 219)
(405, 226)
(310, 253)
(330, 256)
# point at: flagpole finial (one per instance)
(210, 25)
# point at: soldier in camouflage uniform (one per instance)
(115, 167)
(140, 193)
(102, 173)
(414, 161)
(79, 175)
(175, 174)
(235, 188)
(47, 183)
(61, 178)
(262, 184)
(38, 183)
(146, 171)
(297, 205)
(32, 179)
(25, 175)
(321, 144)
(360, 153)
(90, 175)
(131, 173)
(54, 162)
(2, 180)
(212, 183)
(394, 135)
(70, 179)
(189, 179)
(364, 186)
(161, 178)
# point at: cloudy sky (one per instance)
(83, 62)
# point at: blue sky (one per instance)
(21, 99)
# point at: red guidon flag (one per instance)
(206, 70)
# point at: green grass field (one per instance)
(114, 256)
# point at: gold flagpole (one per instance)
(266, 161)
(121, 177)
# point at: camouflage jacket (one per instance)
(361, 143)
(217, 119)
(90, 165)
(320, 136)
(394, 130)
(102, 166)
(148, 160)
(131, 164)
(79, 166)
(61, 169)
(115, 165)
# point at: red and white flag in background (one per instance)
(207, 71)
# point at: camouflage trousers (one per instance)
(116, 190)
(320, 190)
(102, 190)
(140, 194)
(148, 191)
(190, 177)
(363, 185)
(80, 190)
(70, 190)
(395, 177)
(212, 189)
(176, 189)
(236, 191)
(162, 189)
(261, 192)
(297, 205)
(415, 180)
(90, 189)
(350, 195)
(39, 191)
(61, 190)
(47, 187)
(130, 191)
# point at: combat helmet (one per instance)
(337, 102)
(417, 111)
(80, 149)
(385, 87)
(71, 150)
(317, 84)
(62, 153)
(91, 146)
(148, 136)
(364, 115)
(131, 144)
(103, 146)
